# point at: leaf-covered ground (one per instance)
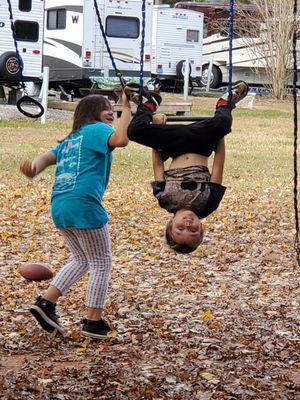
(221, 323)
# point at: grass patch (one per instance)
(260, 113)
(33, 124)
(255, 113)
(259, 149)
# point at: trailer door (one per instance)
(93, 44)
(122, 23)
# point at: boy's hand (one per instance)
(159, 119)
(28, 168)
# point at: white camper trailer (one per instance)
(177, 35)
(28, 16)
(249, 51)
(74, 48)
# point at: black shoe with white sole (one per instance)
(138, 95)
(45, 313)
(239, 92)
(153, 85)
(95, 329)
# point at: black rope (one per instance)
(16, 44)
(231, 34)
(24, 101)
(117, 71)
(142, 45)
(297, 245)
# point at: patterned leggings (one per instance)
(90, 252)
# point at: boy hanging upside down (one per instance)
(187, 189)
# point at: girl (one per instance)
(186, 189)
(83, 161)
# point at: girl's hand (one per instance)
(125, 100)
(28, 168)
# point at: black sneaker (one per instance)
(154, 85)
(239, 92)
(134, 93)
(95, 329)
(45, 314)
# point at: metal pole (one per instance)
(209, 75)
(186, 79)
(184, 118)
(44, 93)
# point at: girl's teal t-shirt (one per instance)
(83, 163)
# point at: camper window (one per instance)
(27, 31)
(56, 19)
(122, 27)
(192, 35)
(25, 5)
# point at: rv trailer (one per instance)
(177, 36)
(74, 49)
(247, 61)
(28, 17)
(246, 65)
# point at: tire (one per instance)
(180, 69)
(9, 67)
(215, 78)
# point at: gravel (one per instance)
(11, 112)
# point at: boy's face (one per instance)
(186, 228)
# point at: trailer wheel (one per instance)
(180, 69)
(215, 78)
(10, 66)
(198, 81)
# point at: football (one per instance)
(36, 272)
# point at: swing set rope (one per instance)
(12, 26)
(24, 100)
(142, 45)
(231, 34)
(230, 74)
(117, 71)
(295, 159)
(119, 74)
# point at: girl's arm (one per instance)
(119, 137)
(218, 164)
(158, 166)
(38, 164)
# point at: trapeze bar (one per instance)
(184, 118)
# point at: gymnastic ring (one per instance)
(27, 99)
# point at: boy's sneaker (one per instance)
(132, 90)
(239, 92)
(45, 313)
(95, 329)
(154, 85)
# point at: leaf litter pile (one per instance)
(220, 323)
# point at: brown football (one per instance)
(36, 272)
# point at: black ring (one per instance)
(27, 99)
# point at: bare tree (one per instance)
(268, 33)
